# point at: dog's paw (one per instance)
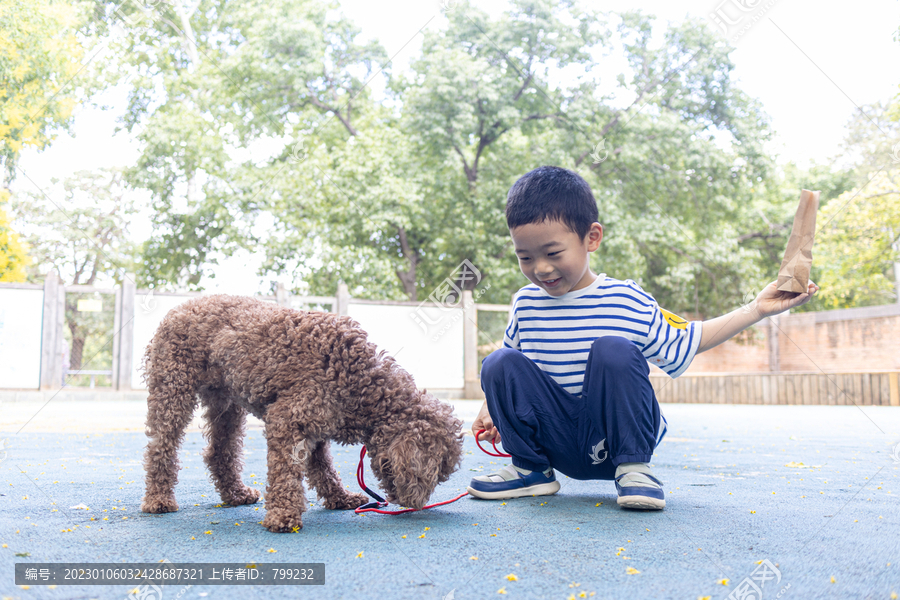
(346, 502)
(159, 505)
(244, 496)
(282, 521)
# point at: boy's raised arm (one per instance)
(769, 302)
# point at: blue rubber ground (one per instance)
(732, 501)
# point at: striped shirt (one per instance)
(557, 332)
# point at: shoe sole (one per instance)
(541, 489)
(641, 502)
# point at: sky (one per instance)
(810, 64)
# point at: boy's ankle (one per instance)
(633, 467)
(522, 471)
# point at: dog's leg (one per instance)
(169, 410)
(285, 496)
(323, 476)
(224, 430)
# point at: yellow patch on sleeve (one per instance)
(673, 319)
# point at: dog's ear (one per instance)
(453, 455)
(415, 472)
(383, 470)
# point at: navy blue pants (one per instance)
(616, 419)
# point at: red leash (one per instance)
(498, 454)
(380, 503)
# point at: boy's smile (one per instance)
(554, 257)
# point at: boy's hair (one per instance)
(552, 193)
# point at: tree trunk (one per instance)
(76, 352)
(408, 277)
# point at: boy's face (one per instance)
(553, 257)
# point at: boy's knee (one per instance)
(616, 352)
(497, 362)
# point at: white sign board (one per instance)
(427, 341)
(21, 318)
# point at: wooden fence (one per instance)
(860, 388)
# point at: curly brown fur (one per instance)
(312, 378)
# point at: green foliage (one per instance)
(857, 237)
(391, 197)
(13, 253)
(40, 59)
(83, 235)
(259, 131)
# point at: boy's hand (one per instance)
(484, 421)
(771, 301)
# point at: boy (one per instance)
(570, 389)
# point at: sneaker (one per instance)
(510, 482)
(638, 488)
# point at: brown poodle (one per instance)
(311, 377)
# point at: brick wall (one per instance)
(746, 352)
(838, 340)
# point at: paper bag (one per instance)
(793, 276)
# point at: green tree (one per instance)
(872, 141)
(13, 253)
(40, 57)
(484, 109)
(480, 110)
(233, 74)
(84, 238)
(674, 169)
(858, 244)
(851, 256)
(391, 196)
